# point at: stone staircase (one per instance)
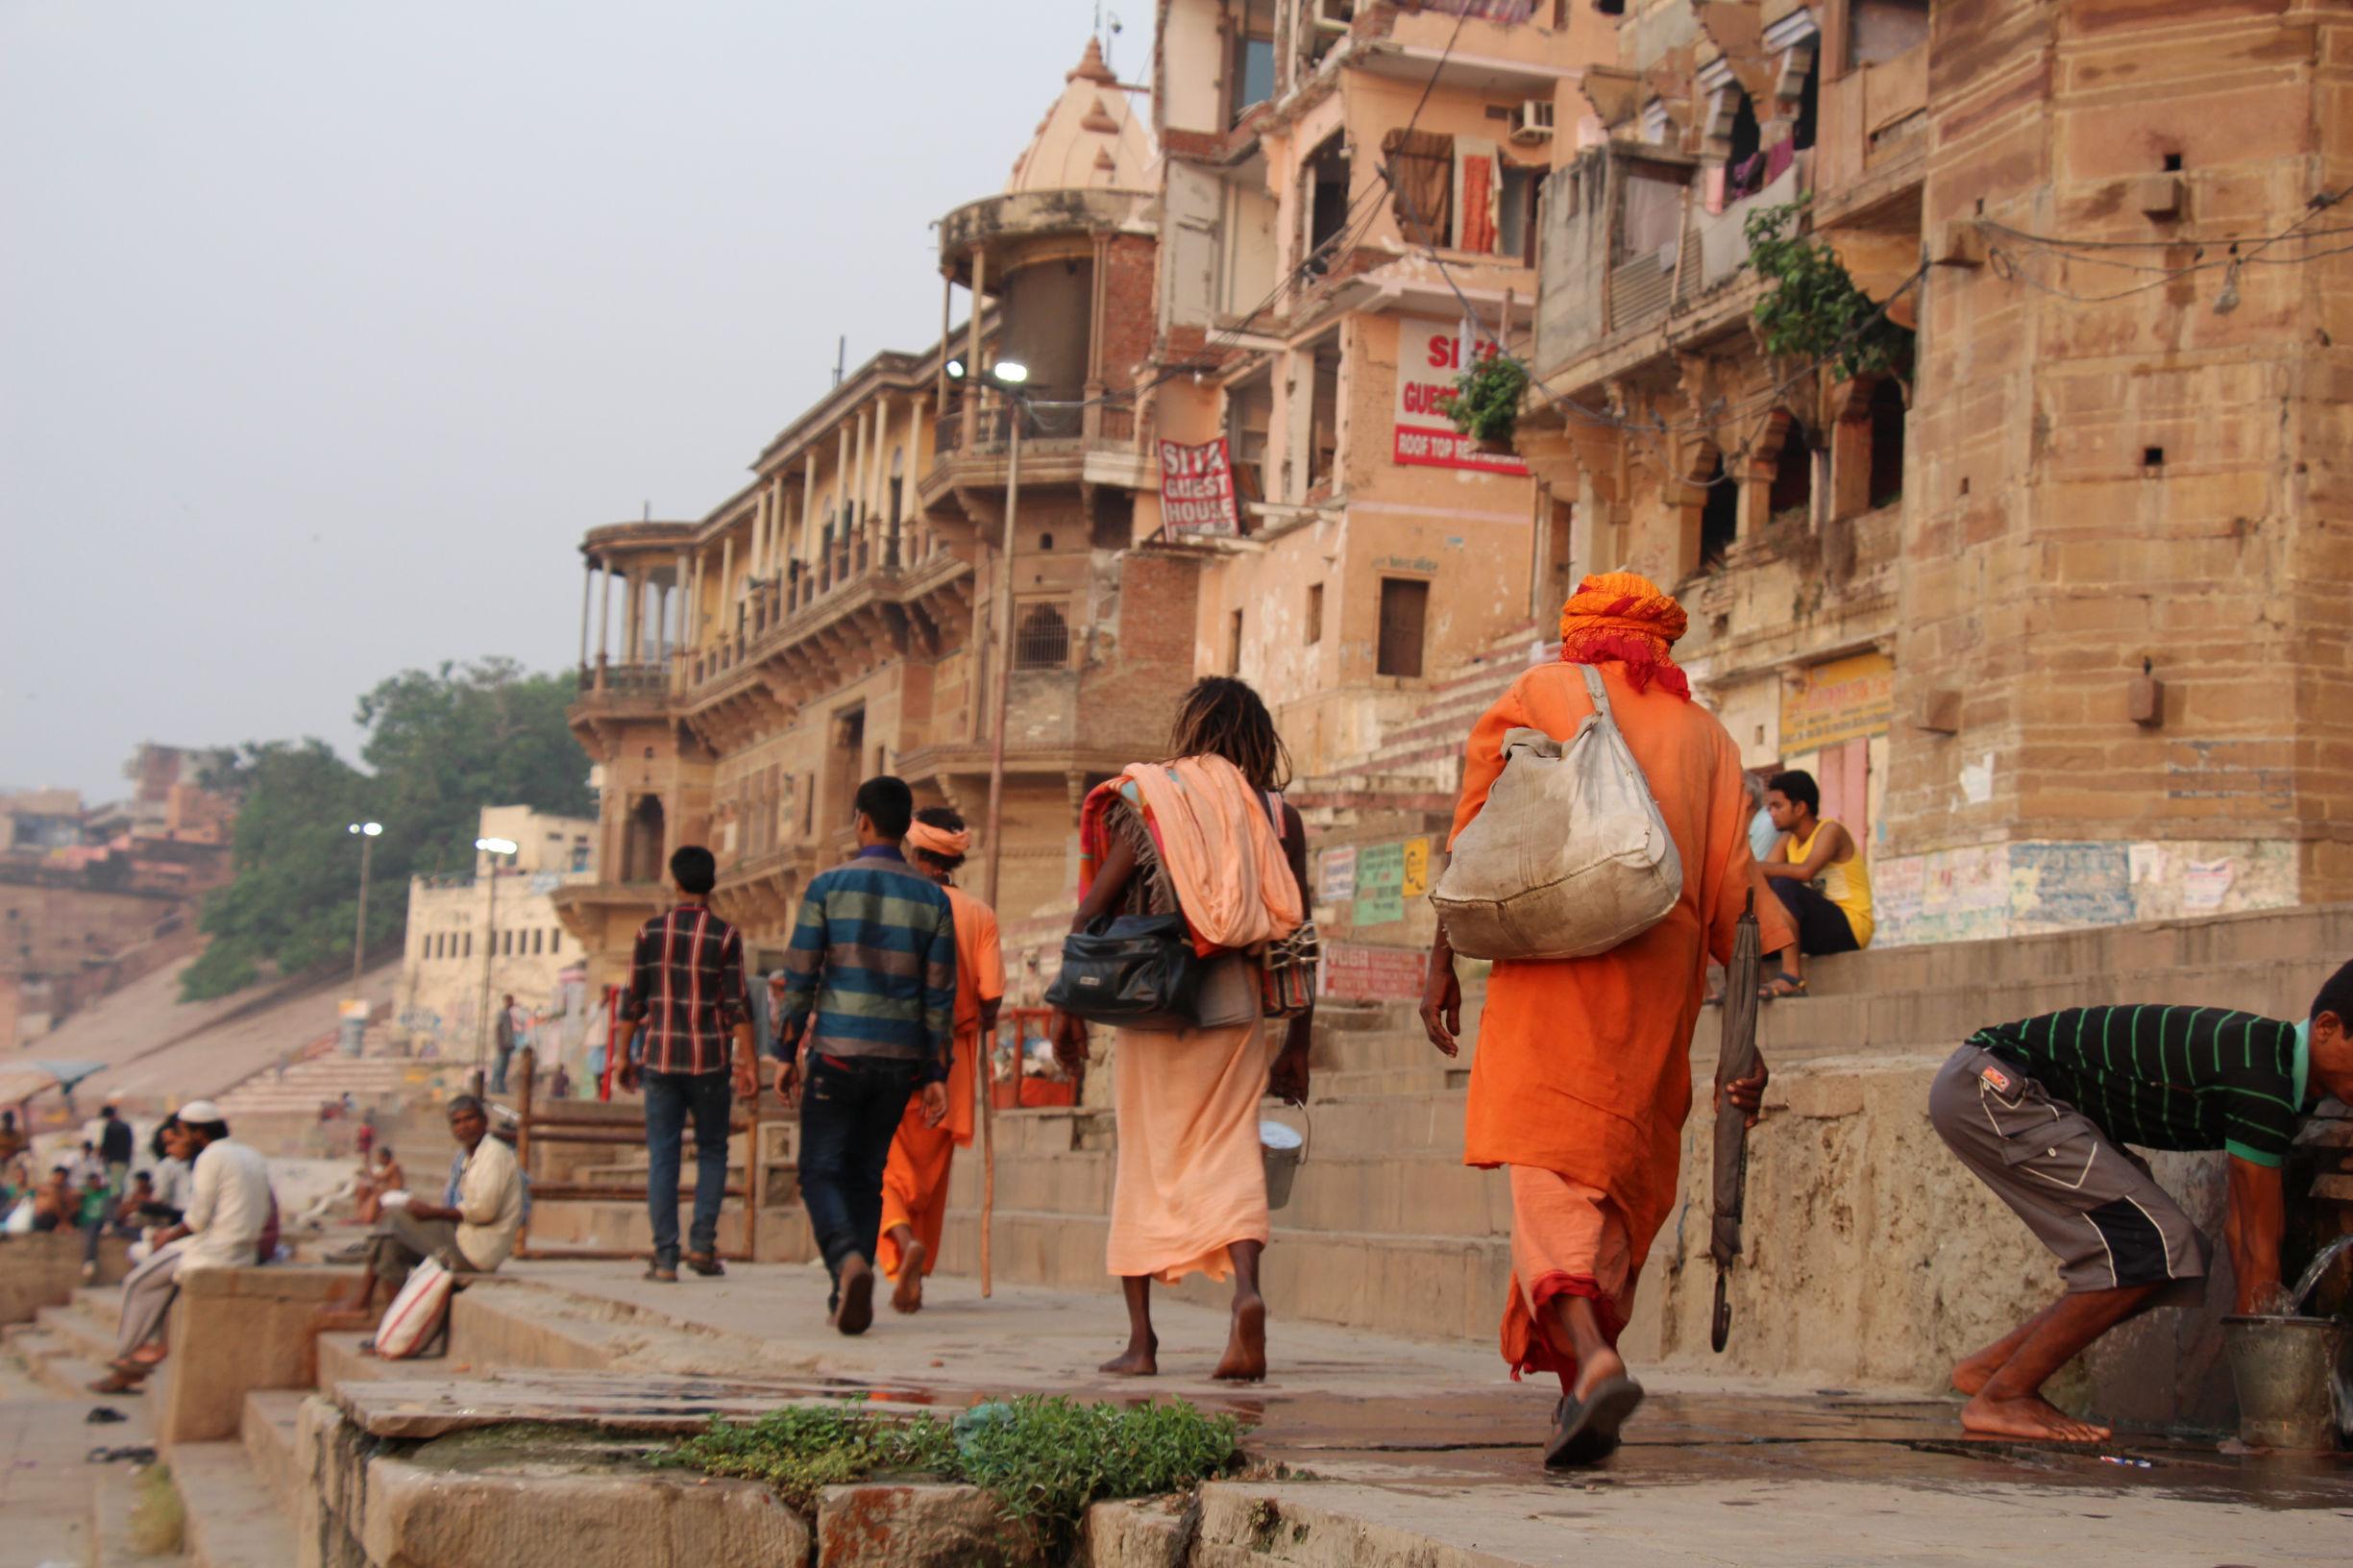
(1387, 1230)
(1413, 774)
(378, 1082)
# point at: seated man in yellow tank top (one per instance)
(1833, 918)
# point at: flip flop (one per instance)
(1586, 1431)
(857, 1310)
(1766, 993)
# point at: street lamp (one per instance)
(1009, 375)
(368, 833)
(493, 849)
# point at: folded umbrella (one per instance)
(1735, 1059)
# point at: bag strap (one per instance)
(1600, 693)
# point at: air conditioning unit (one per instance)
(1534, 121)
(1334, 16)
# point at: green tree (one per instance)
(440, 746)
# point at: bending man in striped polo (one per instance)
(2042, 1110)
(686, 1003)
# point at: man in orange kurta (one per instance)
(1582, 1075)
(915, 1182)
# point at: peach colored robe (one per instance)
(914, 1181)
(1190, 1178)
(1583, 1067)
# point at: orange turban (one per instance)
(1623, 616)
(939, 841)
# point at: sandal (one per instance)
(1782, 984)
(1586, 1431)
(117, 1382)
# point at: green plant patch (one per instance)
(1485, 401)
(1044, 1459)
(1814, 310)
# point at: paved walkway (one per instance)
(1430, 1446)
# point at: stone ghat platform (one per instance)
(523, 1447)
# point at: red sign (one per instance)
(1196, 490)
(1428, 358)
(1356, 971)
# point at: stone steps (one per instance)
(268, 1431)
(1415, 1287)
(234, 1519)
(1424, 1193)
(56, 1363)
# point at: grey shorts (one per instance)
(2086, 1197)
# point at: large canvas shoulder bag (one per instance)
(1569, 857)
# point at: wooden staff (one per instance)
(983, 1076)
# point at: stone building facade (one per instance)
(2045, 604)
(460, 944)
(1303, 320)
(840, 616)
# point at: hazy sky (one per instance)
(326, 328)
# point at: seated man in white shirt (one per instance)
(228, 1209)
(473, 1228)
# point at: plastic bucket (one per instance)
(2287, 1370)
(1286, 1149)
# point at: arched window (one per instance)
(1792, 476)
(1041, 638)
(1719, 517)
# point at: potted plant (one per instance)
(1485, 401)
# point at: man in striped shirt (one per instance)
(686, 1004)
(870, 1021)
(2042, 1110)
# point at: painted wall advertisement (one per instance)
(1380, 884)
(1428, 357)
(1359, 972)
(1196, 490)
(1845, 700)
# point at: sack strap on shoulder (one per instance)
(1599, 693)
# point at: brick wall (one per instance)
(1130, 306)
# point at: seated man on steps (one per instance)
(1818, 873)
(229, 1215)
(2041, 1111)
(471, 1229)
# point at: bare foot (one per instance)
(1136, 1362)
(856, 1313)
(1245, 1357)
(2032, 1416)
(908, 1297)
(1972, 1373)
(1601, 1365)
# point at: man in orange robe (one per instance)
(1582, 1076)
(915, 1182)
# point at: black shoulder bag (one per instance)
(1134, 972)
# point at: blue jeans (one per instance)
(850, 1110)
(670, 1097)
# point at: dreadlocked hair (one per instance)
(947, 821)
(1223, 717)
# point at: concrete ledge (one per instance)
(872, 1525)
(363, 1504)
(45, 1270)
(234, 1330)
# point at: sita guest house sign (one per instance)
(1428, 358)
(1196, 490)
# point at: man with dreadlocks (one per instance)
(915, 1183)
(1205, 834)
(1583, 1080)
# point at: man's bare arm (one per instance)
(2258, 1214)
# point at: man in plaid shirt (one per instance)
(686, 1003)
